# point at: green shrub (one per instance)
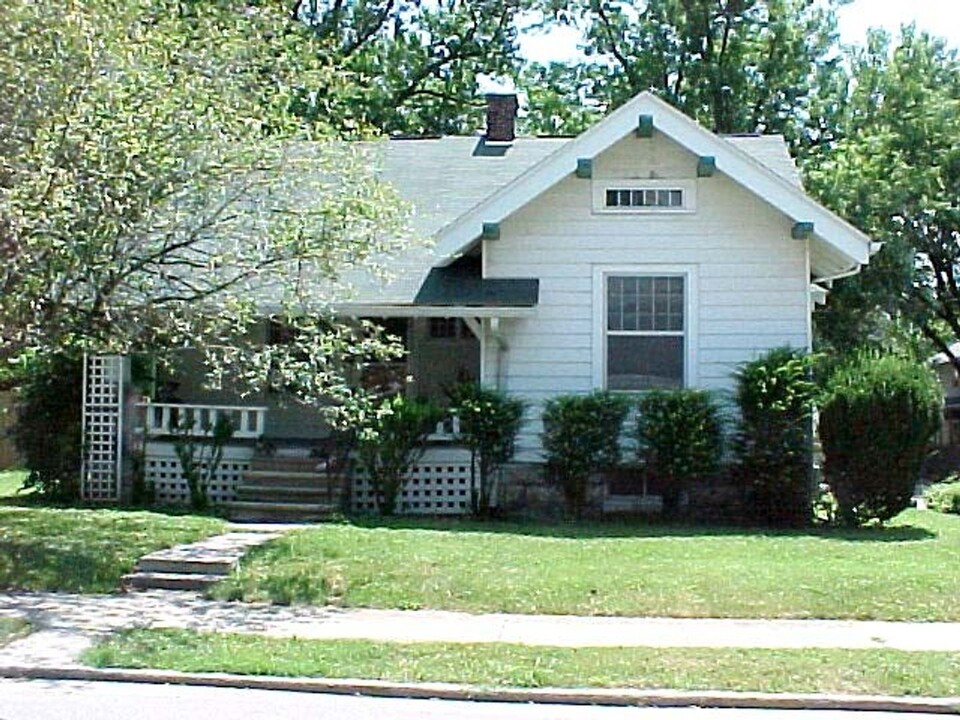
(48, 428)
(392, 443)
(944, 497)
(581, 435)
(772, 445)
(878, 415)
(489, 423)
(680, 437)
(199, 457)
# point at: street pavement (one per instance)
(68, 700)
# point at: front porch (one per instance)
(309, 478)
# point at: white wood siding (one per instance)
(752, 284)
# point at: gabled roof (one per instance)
(839, 247)
(455, 184)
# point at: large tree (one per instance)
(733, 65)
(414, 65)
(893, 168)
(153, 193)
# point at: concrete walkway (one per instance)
(66, 624)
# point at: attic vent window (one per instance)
(644, 198)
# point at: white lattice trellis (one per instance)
(163, 471)
(102, 419)
(438, 485)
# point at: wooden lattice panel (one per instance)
(162, 470)
(438, 485)
(102, 427)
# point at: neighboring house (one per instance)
(949, 434)
(9, 457)
(646, 252)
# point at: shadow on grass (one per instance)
(651, 528)
(35, 501)
(35, 564)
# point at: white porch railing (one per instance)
(199, 420)
(447, 430)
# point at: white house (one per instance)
(646, 252)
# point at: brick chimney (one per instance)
(501, 116)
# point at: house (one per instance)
(646, 252)
(949, 435)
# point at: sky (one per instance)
(939, 17)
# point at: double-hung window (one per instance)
(644, 331)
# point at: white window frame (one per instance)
(601, 273)
(687, 187)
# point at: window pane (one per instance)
(663, 198)
(676, 198)
(612, 198)
(644, 363)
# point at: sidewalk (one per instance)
(66, 624)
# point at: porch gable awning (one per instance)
(461, 286)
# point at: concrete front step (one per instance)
(284, 493)
(282, 464)
(168, 581)
(242, 510)
(185, 567)
(292, 479)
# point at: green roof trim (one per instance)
(491, 231)
(802, 230)
(461, 285)
(645, 126)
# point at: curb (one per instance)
(450, 691)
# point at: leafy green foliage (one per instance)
(892, 167)
(581, 436)
(773, 441)
(944, 497)
(47, 432)
(878, 415)
(680, 436)
(489, 423)
(153, 186)
(408, 67)
(734, 66)
(392, 443)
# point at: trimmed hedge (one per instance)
(581, 435)
(878, 415)
(773, 443)
(680, 437)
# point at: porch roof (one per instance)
(460, 285)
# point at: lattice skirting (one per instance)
(438, 485)
(162, 470)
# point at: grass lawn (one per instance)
(846, 671)
(10, 483)
(81, 550)
(906, 571)
(11, 629)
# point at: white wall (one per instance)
(751, 276)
